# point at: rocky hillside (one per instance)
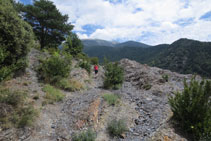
(143, 104)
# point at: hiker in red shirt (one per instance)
(96, 69)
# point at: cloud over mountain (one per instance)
(148, 21)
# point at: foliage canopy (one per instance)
(73, 45)
(16, 38)
(49, 25)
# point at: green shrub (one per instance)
(54, 68)
(192, 108)
(85, 64)
(82, 56)
(117, 127)
(113, 76)
(73, 45)
(88, 135)
(94, 60)
(53, 94)
(111, 99)
(27, 116)
(14, 109)
(14, 98)
(69, 85)
(64, 84)
(147, 86)
(165, 77)
(16, 38)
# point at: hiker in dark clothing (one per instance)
(96, 69)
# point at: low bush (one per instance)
(69, 85)
(14, 109)
(192, 108)
(82, 56)
(27, 116)
(147, 86)
(94, 60)
(85, 64)
(117, 127)
(165, 77)
(53, 94)
(13, 98)
(54, 68)
(73, 45)
(113, 76)
(88, 135)
(112, 99)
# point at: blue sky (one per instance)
(25, 1)
(148, 21)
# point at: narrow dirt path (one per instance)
(58, 121)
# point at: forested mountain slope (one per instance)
(183, 56)
(186, 56)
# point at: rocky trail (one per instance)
(144, 105)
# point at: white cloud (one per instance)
(155, 23)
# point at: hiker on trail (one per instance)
(96, 69)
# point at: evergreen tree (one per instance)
(16, 37)
(73, 45)
(114, 75)
(49, 25)
(192, 108)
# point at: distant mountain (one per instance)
(139, 54)
(98, 42)
(131, 44)
(183, 56)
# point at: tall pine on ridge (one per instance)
(49, 25)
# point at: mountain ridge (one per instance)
(183, 56)
(100, 42)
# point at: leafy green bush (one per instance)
(165, 77)
(117, 127)
(111, 99)
(14, 98)
(88, 135)
(73, 45)
(113, 76)
(86, 65)
(27, 116)
(69, 85)
(82, 56)
(94, 60)
(192, 108)
(54, 68)
(14, 109)
(16, 38)
(53, 94)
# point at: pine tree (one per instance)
(49, 25)
(113, 75)
(192, 108)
